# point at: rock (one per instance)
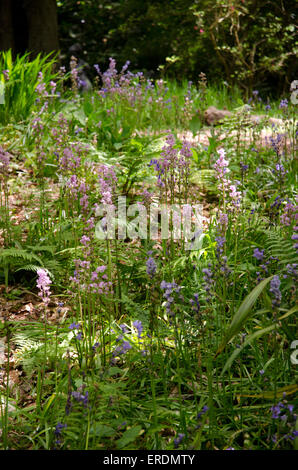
(212, 115)
(276, 121)
(256, 119)
(10, 408)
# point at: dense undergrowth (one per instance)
(145, 343)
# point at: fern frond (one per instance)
(280, 247)
(28, 267)
(48, 248)
(19, 253)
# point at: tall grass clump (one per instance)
(21, 76)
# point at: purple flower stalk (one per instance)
(292, 269)
(139, 327)
(221, 168)
(4, 160)
(223, 221)
(221, 165)
(204, 411)
(283, 104)
(174, 164)
(292, 435)
(107, 182)
(276, 143)
(195, 303)
(43, 283)
(58, 428)
(258, 254)
(124, 328)
(151, 267)
(243, 167)
(122, 349)
(178, 439)
(208, 282)
(276, 410)
(41, 87)
(169, 288)
(274, 289)
(6, 74)
(80, 398)
(74, 326)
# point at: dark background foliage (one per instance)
(251, 43)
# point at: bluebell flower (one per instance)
(139, 327)
(283, 104)
(169, 288)
(151, 267)
(274, 289)
(195, 302)
(292, 435)
(258, 254)
(243, 167)
(96, 66)
(80, 398)
(276, 410)
(276, 143)
(59, 428)
(121, 349)
(79, 336)
(178, 439)
(201, 413)
(220, 242)
(292, 269)
(291, 409)
(124, 328)
(126, 346)
(74, 326)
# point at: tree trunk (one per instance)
(6, 25)
(42, 26)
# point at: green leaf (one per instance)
(247, 341)
(101, 430)
(242, 313)
(129, 436)
(254, 336)
(114, 371)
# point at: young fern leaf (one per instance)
(28, 267)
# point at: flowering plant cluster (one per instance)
(95, 282)
(4, 161)
(229, 190)
(43, 284)
(173, 167)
